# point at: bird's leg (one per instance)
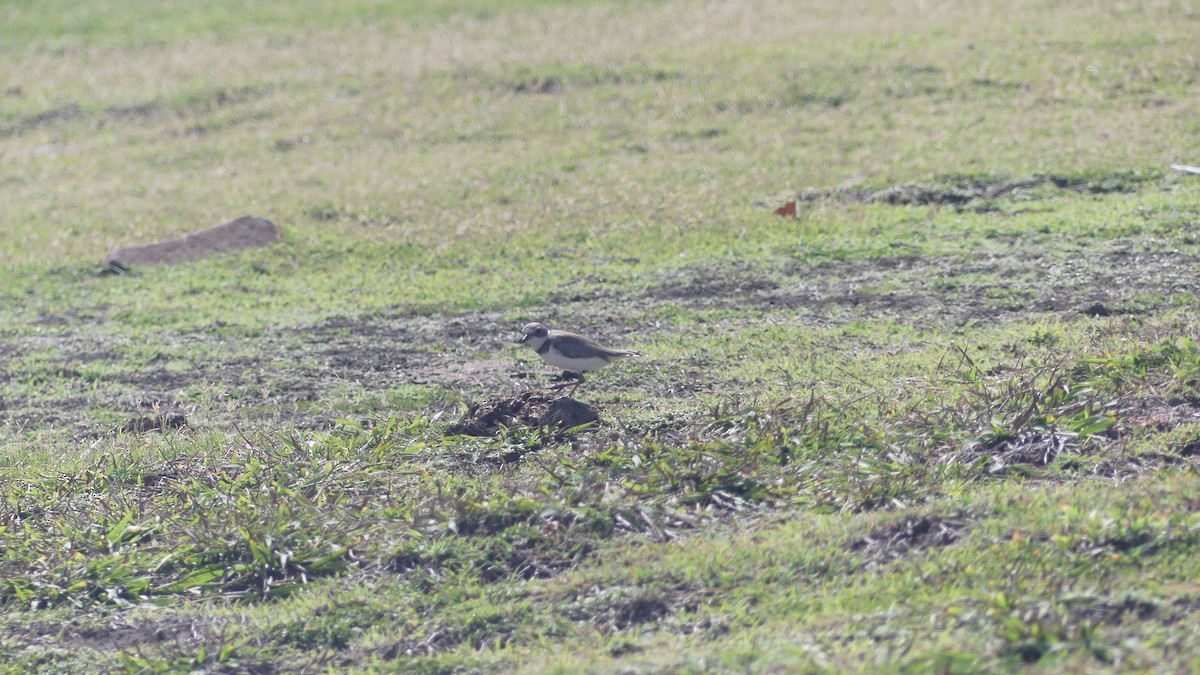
(573, 384)
(577, 383)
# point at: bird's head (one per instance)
(534, 331)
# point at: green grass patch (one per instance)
(942, 418)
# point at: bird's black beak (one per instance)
(523, 340)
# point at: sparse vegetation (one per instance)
(943, 417)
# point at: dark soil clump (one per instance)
(531, 409)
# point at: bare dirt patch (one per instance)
(476, 374)
(295, 376)
(619, 608)
(58, 115)
(1115, 610)
(910, 534)
(713, 286)
(937, 291)
(1156, 413)
(218, 99)
(964, 190)
(1145, 416)
(456, 352)
(120, 633)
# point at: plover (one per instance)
(571, 352)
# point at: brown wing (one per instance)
(575, 346)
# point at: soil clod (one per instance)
(532, 409)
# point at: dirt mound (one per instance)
(235, 235)
(532, 409)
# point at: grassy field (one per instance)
(947, 418)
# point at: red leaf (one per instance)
(788, 210)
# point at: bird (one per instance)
(569, 351)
